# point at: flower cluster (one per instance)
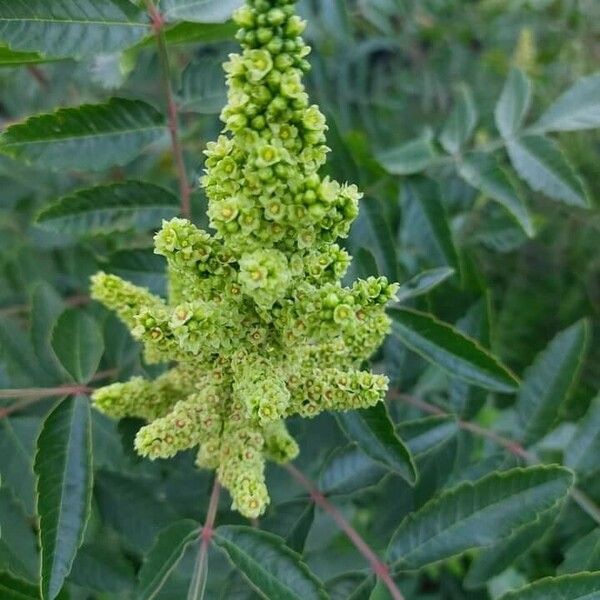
(257, 321)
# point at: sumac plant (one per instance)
(291, 325)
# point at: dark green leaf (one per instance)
(141, 267)
(423, 282)
(109, 208)
(10, 58)
(296, 537)
(546, 384)
(163, 557)
(203, 87)
(412, 157)
(474, 515)
(514, 103)
(272, 569)
(584, 586)
(365, 262)
(63, 465)
(90, 136)
(68, 29)
(583, 555)
(540, 162)
(451, 350)
(77, 342)
(582, 452)
(461, 123)
(426, 435)
(374, 433)
(200, 11)
(578, 108)
(12, 588)
(483, 172)
(387, 259)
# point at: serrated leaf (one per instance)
(514, 103)
(374, 433)
(423, 282)
(583, 586)
(483, 172)
(547, 383)
(109, 208)
(540, 162)
(348, 470)
(12, 588)
(578, 108)
(475, 515)
(91, 136)
(164, 556)
(426, 435)
(78, 344)
(582, 452)
(446, 347)
(413, 157)
(141, 267)
(427, 220)
(461, 123)
(270, 567)
(583, 555)
(200, 11)
(203, 87)
(71, 29)
(63, 465)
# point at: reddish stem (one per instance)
(379, 568)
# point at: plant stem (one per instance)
(158, 23)
(578, 496)
(198, 583)
(379, 568)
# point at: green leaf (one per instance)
(578, 108)
(583, 555)
(141, 267)
(91, 136)
(582, 452)
(10, 58)
(374, 433)
(78, 344)
(349, 470)
(427, 435)
(547, 383)
(428, 220)
(382, 234)
(540, 162)
(270, 567)
(63, 465)
(423, 282)
(197, 33)
(109, 208)
(65, 29)
(164, 556)
(461, 123)
(413, 157)
(514, 103)
(451, 350)
(483, 172)
(365, 263)
(475, 515)
(203, 87)
(296, 536)
(12, 588)
(584, 586)
(200, 11)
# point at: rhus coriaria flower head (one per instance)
(257, 323)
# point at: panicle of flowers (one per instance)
(257, 323)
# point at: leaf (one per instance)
(428, 220)
(65, 29)
(200, 11)
(583, 586)
(514, 103)
(203, 87)
(374, 433)
(10, 58)
(382, 235)
(365, 263)
(348, 470)
(410, 158)
(451, 350)
(91, 136)
(547, 383)
(78, 344)
(474, 515)
(583, 555)
(109, 208)
(196, 33)
(461, 123)
(12, 588)
(540, 162)
(141, 267)
(63, 465)
(582, 452)
(428, 434)
(423, 282)
(483, 172)
(578, 108)
(270, 567)
(163, 557)
(296, 537)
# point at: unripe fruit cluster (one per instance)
(256, 321)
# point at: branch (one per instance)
(198, 583)
(158, 23)
(578, 496)
(379, 568)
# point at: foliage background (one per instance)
(386, 72)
